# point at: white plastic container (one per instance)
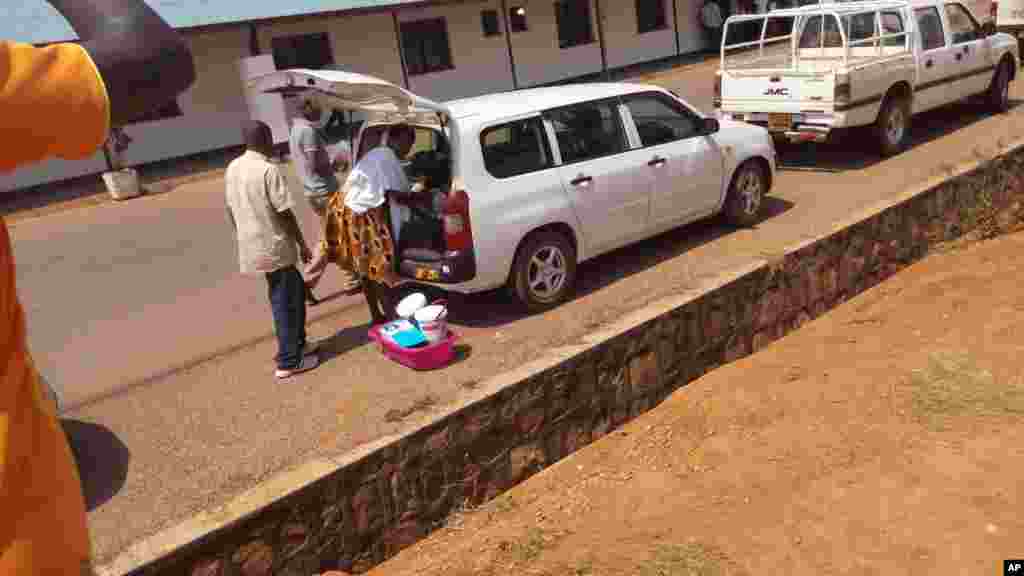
(408, 306)
(433, 321)
(122, 184)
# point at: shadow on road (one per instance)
(343, 341)
(102, 460)
(855, 149)
(497, 308)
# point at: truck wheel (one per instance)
(892, 128)
(544, 271)
(999, 91)
(745, 197)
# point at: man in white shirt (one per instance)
(270, 243)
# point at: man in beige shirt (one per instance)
(270, 243)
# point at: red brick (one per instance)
(715, 323)
(294, 535)
(438, 442)
(737, 349)
(770, 309)
(796, 294)
(819, 308)
(815, 290)
(255, 558)
(402, 536)
(208, 568)
(643, 373)
(365, 508)
(479, 421)
(471, 476)
(531, 421)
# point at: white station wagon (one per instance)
(541, 179)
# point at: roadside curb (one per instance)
(357, 510)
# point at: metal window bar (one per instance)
(877, 40)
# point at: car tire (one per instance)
(544, 271)
(998, 95)
(892, 128)
(745, 198)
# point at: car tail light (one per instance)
(842, 90)
(458, 234)
(717, 98)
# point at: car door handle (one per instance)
(928, 63)
(656, 162)
(581, 180)
(959, 57)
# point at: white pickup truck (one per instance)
(805, 72)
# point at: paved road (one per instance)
(150, 284)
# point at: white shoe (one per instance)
(308, 363)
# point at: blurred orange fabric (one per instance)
(54, 104)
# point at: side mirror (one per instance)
(709, 126)
(988, 28)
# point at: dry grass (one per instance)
(951, 385)
(692, 559)
(528, 548)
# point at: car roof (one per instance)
(527, 100)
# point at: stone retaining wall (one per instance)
(355, 513)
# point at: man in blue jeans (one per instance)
(270, 243)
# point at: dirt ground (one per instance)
(883, 438)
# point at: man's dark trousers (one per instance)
(287, 292)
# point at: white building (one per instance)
(441, 49)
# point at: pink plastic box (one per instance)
(428, 357)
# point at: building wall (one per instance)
(51, 171)
(481, 63)
(538, 58)
(212, 112)
(623, 45)
(366, 44)
(692, 37)
(213, 109)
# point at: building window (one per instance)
(573, 20)
(165, 112)
(517, 18)
(425, 46)
(489, 22)
(650, 16)
(311, 51)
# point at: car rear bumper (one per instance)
(442, 268)
(805, 127)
